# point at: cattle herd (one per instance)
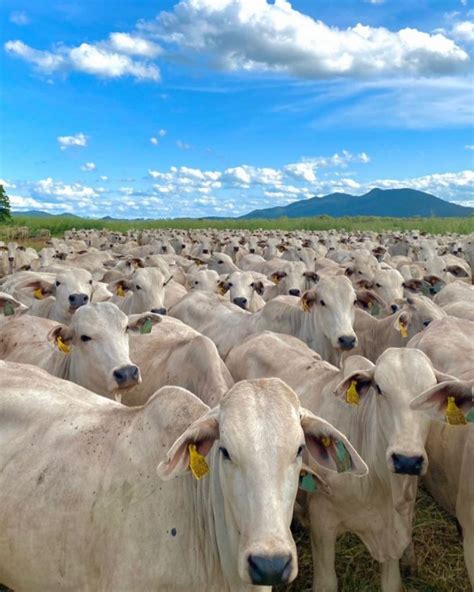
(170, 400)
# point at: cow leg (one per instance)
(390, 576)
(468, 546)
(323, 548)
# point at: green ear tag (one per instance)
(146, 327)
(375, 309)
(8, 309)
(343, 458)
(307, 482)
(426, 289)
(470, 416)
(437, 287)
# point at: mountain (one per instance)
(41, 214)
(396, 203)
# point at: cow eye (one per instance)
(426, 323)
(138, 287)
(300, 451)
(230, 285)
(355, 301)
(359, 272)
(224, 452)
(378, 389)
(322, 303)
(90, 282)
(220, 262)
(58, 284)
(378, 285)
(196, 283)
(85, 338)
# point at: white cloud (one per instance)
(19, 17)
(463, 31)
(162, 132)
(107, 59)
(154, 141)
(6, 184)
(255, 36)
(469, 146)
(132, 45)
(88, 166)
(79, 140)
(182, 145)
(53, 188)
(103, 178)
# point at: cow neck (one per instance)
(312, 334)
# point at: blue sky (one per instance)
(216, 107)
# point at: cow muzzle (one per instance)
(127, 376)
(347, 342)
(161, 311)
(242, 302)
(408, 465)
(78, 300)
(270, 570)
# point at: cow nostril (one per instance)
(252, 251)
(161, 311)
(242, 302)
(347, 342)
(394, 307)
(271, 570)
(407, 465)
(126, 375)
(295, 292)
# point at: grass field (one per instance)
(57, 225)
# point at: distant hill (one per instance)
(396, 203)
(41, 214)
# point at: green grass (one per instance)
(57, 225)
(438, 551)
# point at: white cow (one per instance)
(143, 291)
(379, 422)
(78, 477)
(97, 340)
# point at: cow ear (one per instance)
(39, 289)
(329, 448)
(121, 287)
(258, 287)
(9, 305)
(310, 481)
(61, 338)
(308, 300)
(143, 323)
(278, 276)
(413, 285)
(402, 322)
(370, 301)
(355, 385)
(312, 276)
(190, 449)
(457, 270)
(446, 396)
(223, 287)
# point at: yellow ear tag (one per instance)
(403, 329)
(120, 291)
(305, 305)
(326, 441)
(38, 294)
(352, 396)
(222, 290)
(197, 463)
(454, 415)
(66, 349)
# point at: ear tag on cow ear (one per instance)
(120, 291)
(454, 415)
(197, 462)
(426, 289)
(146, 327)
(403, 329)
(222, 290)
(374, 309)
(470, 416)
(326, 441)
(343, 458)
(305, 305)
(38, 294)
(307, 482)
(352, 396)
(8, 309)
(63, 347)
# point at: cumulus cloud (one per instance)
(107, 59)
(49, 187)
(469, 146)
(77, 140)
(154, 141)
(162, 132)
(88, 166)
(463, 31)
(256, 36)
(19, 17)
(103, 178)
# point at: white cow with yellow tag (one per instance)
(168, 496)
(92, 351)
